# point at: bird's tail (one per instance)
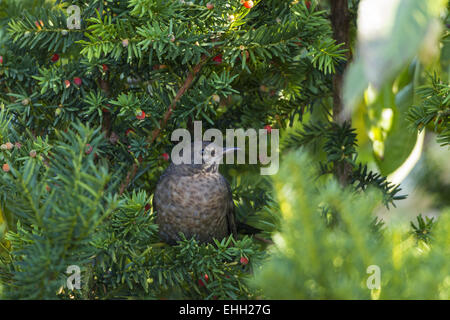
(247, 229)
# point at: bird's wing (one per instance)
(230, 211)
(231, 218)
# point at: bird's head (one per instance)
(210, 155)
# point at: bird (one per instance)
(195, 199)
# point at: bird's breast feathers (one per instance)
(193, 192)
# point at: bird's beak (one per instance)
(228, 150)
(224, 151)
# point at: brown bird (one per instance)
(195, 199)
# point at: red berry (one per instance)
(105, 67)
(55, 57)
(5, 167)
(244, 260)
(247, 55)
(147, 207)
(308, 4)
(88, 148)
(209, 6)
(141, 115)
(77, 81)
(202, 282)
(66, 83)
(1, 59)
(218, 59)
(248, 4)
(268, 128)
(39, 24)
(166, 158)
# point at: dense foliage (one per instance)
(85, 132)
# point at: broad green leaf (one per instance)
(400, 140)
(390, 34)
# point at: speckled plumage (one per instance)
(195, 200)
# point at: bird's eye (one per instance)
(213, 153)
(203, 151)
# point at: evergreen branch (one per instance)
(434, 109)
(301, 137)
(187, 83)
(361, 179)
(423, 229)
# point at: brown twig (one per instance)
(268, 241)
(340, 22)
(187, 83)
(130, 175)
(106, 123)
